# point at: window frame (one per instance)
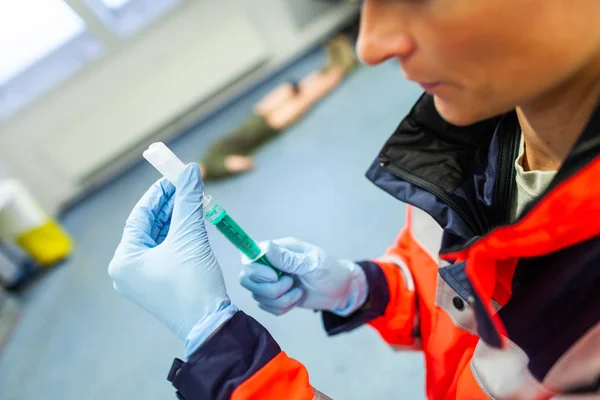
(105, 30)
(132, 16)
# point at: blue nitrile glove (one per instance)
(311, 279)
(165, 264)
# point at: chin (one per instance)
(458, 114)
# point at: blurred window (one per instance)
(126, 17)
(115, 4)
(42, 42)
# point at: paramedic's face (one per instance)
(480, 58)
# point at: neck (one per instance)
(552, 123)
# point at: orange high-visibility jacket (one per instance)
(501, 310)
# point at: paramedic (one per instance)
(495, 276)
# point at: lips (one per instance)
(429, 86)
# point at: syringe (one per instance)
(168, 164)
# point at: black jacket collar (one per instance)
(428, 160)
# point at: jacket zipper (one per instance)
(503, 193)
(437, 192)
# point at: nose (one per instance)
(381, 35)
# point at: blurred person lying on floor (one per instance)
(278, 110)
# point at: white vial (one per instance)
(165, 161)
(170, 166)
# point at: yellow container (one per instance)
(47, 244)
(23, 221)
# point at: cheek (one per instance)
(477, 88)
(470, 44)
(468, 58)
(484, 67)
(497, 54)
(497, 63)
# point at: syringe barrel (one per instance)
(213, 212)
(240, 239)
(217, 216)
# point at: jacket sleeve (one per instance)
(241, 361)
(391, 307)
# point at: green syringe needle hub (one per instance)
(217, 216)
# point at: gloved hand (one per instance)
(311, 279)
(165, 264)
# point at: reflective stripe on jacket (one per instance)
(501, 310)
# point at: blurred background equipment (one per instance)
(16, 267)
(24, 222)
(9, 314)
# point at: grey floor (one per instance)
(78, 339)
